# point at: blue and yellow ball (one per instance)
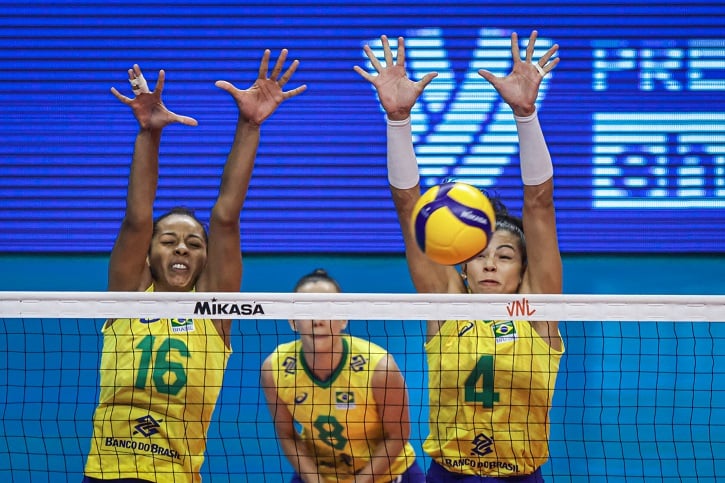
(453, 222)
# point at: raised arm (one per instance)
(127, 269)
(391, 396)
(255, 104)
(519, 89)
(398, 94)
(292, 445)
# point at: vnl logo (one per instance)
(461, 127)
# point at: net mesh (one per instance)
(639, 394)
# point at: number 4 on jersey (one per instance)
(484, 372)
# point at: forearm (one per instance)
(404, 178)
(381, 460)
(299, 457)
(401, 161)
(426, 275)
(143, 178)
(544, 267)
(534, 157)
(127, 268)
(237, 172)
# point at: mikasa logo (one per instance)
(219, 308)
(469, 215)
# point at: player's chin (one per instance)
(488, 288)
(180, 284)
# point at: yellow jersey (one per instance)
(339, 419)
(160, 380)
(491, 385)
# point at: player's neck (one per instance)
(324, 357)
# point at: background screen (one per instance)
(634, 116)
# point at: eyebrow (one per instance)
(174, 234)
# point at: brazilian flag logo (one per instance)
(504, 331)
(344, 399)
(182, 325)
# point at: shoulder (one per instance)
(273, 363)
(283, 349)
(358, 344)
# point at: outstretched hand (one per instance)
(147, 106)
(398, 94)
(520, 88)
(264, 96)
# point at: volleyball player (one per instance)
(160, 378)
(349, 398)
(491, 382)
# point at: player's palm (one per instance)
(397, 93)
(519, 89)
(151, 113)
(259, 101)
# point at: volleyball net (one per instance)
(640, 393)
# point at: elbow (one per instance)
(540, 197)
(405, 432)
(137, 222)
(225, 218)
(398, 431)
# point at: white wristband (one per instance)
(402, 164)
(534, 155)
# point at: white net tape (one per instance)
(368, 306)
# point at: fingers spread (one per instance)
(530, 46)
(549, 53)
(373, 60)
(186, 120)
(427, 79)
(120, 96)
(290, 70)
(401, 52)
(387, 53)
(263, 65)
(278, 66)
(365, 75)
(515, 53)
(295, 91)
(160, 82)
(227, 86)
(490, 77)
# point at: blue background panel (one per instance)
(633, 116)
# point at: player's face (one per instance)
(497, 269)
(318, 333)
(178, 253)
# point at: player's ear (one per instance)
(148, 263)
(463, 271)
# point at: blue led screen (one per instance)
(634, 116)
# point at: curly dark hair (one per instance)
(507, 221)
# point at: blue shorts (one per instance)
(414, 474)
(438, 474)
